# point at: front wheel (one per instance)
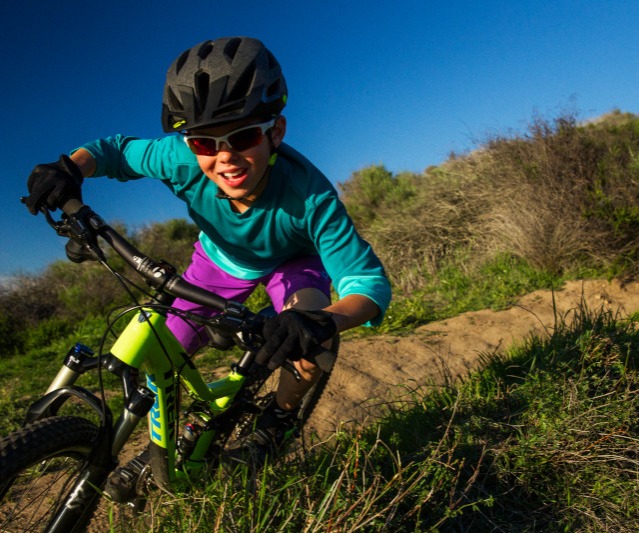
(39, 465)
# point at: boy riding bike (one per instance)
(266, 214)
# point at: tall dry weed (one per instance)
(561, 195)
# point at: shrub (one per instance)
(561, 197)
(370, 192)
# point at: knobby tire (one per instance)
(39, 465)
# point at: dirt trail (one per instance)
(373, 370)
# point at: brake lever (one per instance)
(242, 334)
(78, 231)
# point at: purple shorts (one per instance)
(296, 274)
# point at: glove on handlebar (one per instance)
(294, 334)
(53, 184)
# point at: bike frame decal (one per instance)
(162, 414)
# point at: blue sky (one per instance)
(400, 83)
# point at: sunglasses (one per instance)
(239, 140)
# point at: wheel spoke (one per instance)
(41, 463)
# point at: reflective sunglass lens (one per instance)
(243, 140)
(203, 146)
(239, 141)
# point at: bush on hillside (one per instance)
(569, 193)
(372, 190)
(560, 197)
(65, 292)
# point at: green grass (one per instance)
(460, 286)
(544, 437)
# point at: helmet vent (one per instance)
(272, 62)
(205, 50)
(273, 90)
(181, 60)
(231, 48)
(244, 83)
(202, 85)
(173, 101)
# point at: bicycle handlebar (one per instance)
(154, 273)
(84, 224)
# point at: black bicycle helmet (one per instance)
(220, 81)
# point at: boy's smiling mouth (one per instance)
(235, 178)
(231, 175)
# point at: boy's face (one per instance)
(237, 173)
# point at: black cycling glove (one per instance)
(54, 184)
(294, 334)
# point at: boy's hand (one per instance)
(293, 334)
(53, 184)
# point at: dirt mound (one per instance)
(374, 370)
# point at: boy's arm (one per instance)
(85, 161)
(353, 310)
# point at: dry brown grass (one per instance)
(559, 196)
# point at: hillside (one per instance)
(470, 248)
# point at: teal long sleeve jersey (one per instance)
(299, 213)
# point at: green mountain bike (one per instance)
(54, 469)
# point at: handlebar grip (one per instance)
(72, 206)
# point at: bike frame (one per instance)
(147, 344)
